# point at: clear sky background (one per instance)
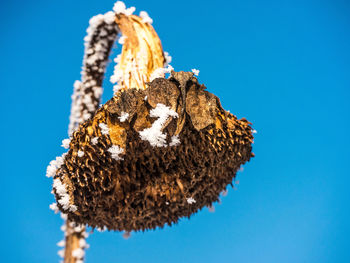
(284, 65)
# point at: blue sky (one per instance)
(284, 65)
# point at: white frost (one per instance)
(174, 140)
(104, 128)
(54, 165)
(64, 216)
(109, 18)
(62, 192)
(116, 88)
(59, 187)
(82, 243)
(145, 17)
(120, 8)
(160, 72)
(65, 143)
(121, 40)
(78, 253)
(62, 243)
(115, 151)
(101, 229)
(124, 116)
(74, 117)
(103, 30)
(168, 58)
(191, 200)
(94, 140)
(154, 134)
(80, 153)
(61, 253)
(63, 228)
(118, 58)
(195, 71)
(54, 208)
(129, 11)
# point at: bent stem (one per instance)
(142, 54)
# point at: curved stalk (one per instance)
(142, 54)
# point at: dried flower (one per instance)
(160, 149)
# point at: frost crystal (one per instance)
(82, 243)
(121, 40)
(63, 200)
(129, 11)
(101, 33)
(120, 8)
(154, 134)
(62, 243)
(59, 187)
(54, 208)
(145, 17)
(159, 72)
(65, 143)
(168, 58)
(117, 75)
(75, 118)
(191, 200)
(80, 153)
(174, 140)
(63, 228)
(64, 216)
(77, 227)
(94, 140)
(78, 253)
(195, 71)
(118, 58)
(61, 253)
(116, 88)
(124, 116)
(54, 165)
(101, 229)
(109, 18)
(115, 151)
(73, 208)
(104, 128)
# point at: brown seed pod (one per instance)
(155, 152)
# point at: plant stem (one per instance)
(73, 242)
(85, 102)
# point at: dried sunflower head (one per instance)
(160, 149)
